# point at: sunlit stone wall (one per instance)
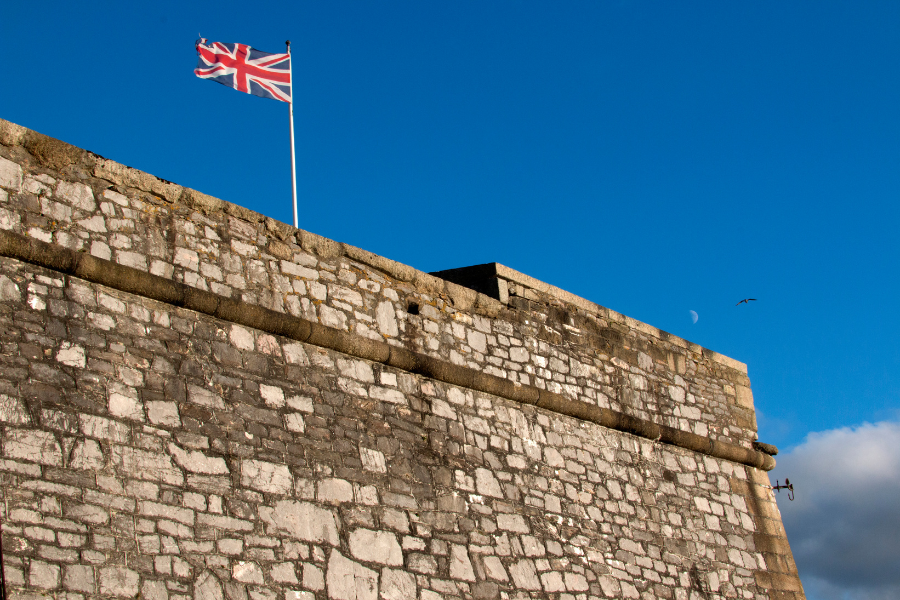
(151, 451)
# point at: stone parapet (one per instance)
(134, 281)
(540, 336)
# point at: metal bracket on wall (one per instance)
(787, 486)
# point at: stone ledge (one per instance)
(493, 279)
(127, 279)
(56, 154)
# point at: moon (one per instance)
(694, 316)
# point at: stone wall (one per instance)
(581, 350)
(152, 450)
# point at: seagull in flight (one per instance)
(745, 300)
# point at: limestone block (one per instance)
(78, 195)
(386, 319)
(119, 581)
(143, 464)
(519, 354)
(524, 575)
(356, 369)
(123, 402)
(247, 572)
(87, 456)
(294, 422)
(493, 568)
(12, 411)
(553, 582)
(349, 580)
(301, 520)
(576, 582)
(334, 490)
(198, 462)
(9, 291)
(10, 175)
(71, 355)
(134, 260)
(290, 268)
(205, 397)
(272, 395)
(241, 337)
(610, 586)
(295, 354)
(313, 577)
(43, 575)
(163, 413)
(8, 219)
(104, 429)
(372, 460)
(487, 484)
(477, 340)
(397, 585)
(532, 546)
(460, 565)
(79, 578)
(266, 477)
(376, 546)
(284, 573)
(35, 446)
(332, 317)
(387, 395)
(512, 522)
(744, 396)
(208, 587)
(223, 522)
(154, 590)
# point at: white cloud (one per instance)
(844, 524)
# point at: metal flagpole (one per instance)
(293, 160)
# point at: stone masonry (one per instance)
(153, 448)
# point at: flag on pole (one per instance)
(245, 69)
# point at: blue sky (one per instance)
(654, 158)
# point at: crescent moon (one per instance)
(694, 316)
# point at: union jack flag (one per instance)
(247, 70)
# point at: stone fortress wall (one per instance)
(197, 401)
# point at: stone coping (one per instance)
(61, 156)
(504, 275)
(134, 281)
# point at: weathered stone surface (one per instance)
(208, 587)
(266, 477)
(302, 521)
(119, 581)
(372, 460)
(87, 455)
(10, 175)
(397, 585)
(198, 462)
(460, 565)
(12, 411)
(334, 490)
(375, 546)
(524, 575)
(247, 572)
(8, 289)
(79, 578)
(348, 580)
(386, 319)
(34, 446)
(156, 451)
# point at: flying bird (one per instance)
(745, 300)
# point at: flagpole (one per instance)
(293, 160)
